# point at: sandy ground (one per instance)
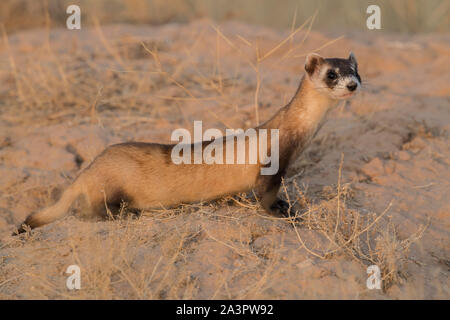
(65, 95)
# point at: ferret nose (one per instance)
(352, 86)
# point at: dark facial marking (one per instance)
(346, 68)
(331, 78)
(357, 75)
(332, 75)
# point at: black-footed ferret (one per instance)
(144, 176)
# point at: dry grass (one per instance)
(165, 254)
(227, 249)
(400, 16)
(368, 238)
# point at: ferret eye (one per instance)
(331, 75)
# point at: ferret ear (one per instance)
(313, 61)
(352, 59)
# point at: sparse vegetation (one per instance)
(64, 98)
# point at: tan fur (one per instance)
(143, 175)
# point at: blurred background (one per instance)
(407, 16)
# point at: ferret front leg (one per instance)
(267, 191)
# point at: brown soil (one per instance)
(372, 188)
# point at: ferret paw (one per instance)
(282, 208)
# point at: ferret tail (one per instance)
(56, 211)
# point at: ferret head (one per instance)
(337, 78)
